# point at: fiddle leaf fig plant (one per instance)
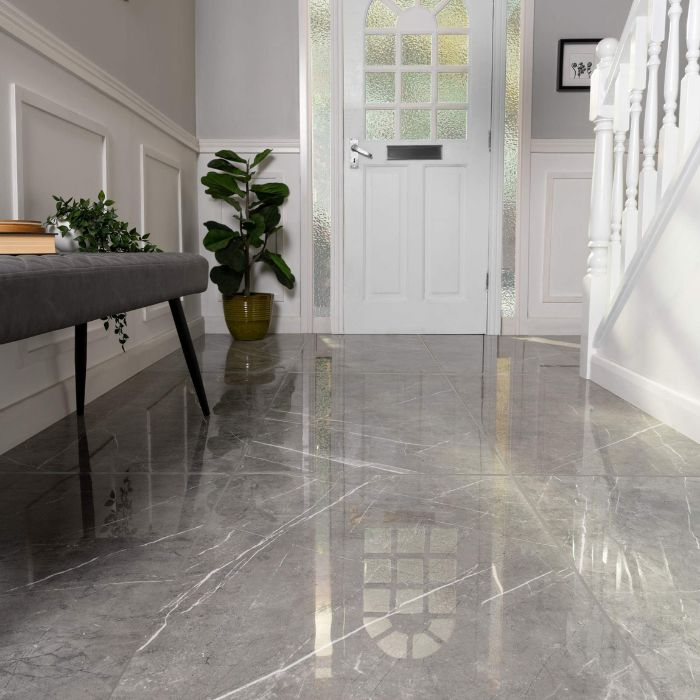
(256, 221)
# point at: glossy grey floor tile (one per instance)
(361, 517)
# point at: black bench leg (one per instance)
(188, 350)
(80, 367)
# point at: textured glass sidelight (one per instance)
(380, 49)
(452, 87)
(416, 87)
(415, 123)
(453, 50)
(380, 87)
(381, 124)
(452, 123)
(416, 49)
(379, 16)
(453, 16)
(320, 89)
(441, 40)
(511, 158)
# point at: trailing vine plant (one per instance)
(98, 229)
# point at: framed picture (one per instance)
(577, 62)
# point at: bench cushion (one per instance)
(42, 293)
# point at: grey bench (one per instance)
(43, 293)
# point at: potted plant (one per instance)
(95, 227)
(238, 249)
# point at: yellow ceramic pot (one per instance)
(248, 317)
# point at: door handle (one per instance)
(356, 151)
(361, 151)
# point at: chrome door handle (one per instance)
(361, 151)
(356, 151)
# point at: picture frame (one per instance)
(576, 63)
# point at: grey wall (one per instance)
(147, 44)
(561, 115)
(247, 69)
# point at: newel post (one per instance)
(596, 285)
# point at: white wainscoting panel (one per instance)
(161, 208)
(555, 245)
(66, 136)
(283, 166)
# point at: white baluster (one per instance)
(689, 111)
(596, 287)
(648, 185)
(638, 76)
(621, 126)
(668, 139)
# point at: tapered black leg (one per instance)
(80, 366)
(188, 350)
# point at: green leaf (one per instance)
(233, 255)
(222, 185)
(261, 157)
(218, 238)
(272, 217)
(221, 164)
(230, 155)
(271, 189)
(217, 224)
(284, 275)
(227, 280)
(255, 227)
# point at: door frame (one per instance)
(498, 87)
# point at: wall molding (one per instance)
(24, 29)
(680, 412)
(152, 312)
(20, 96)
(562, 146)
(280, 146)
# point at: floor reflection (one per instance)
(360, 517)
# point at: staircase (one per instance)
(641, 337)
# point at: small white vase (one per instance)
(65, 243)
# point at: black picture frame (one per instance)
(566, 83)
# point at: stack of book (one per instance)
(25, 238)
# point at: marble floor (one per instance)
(361, 517)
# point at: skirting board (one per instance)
(681, 412)
(37, 412)
(217, 325)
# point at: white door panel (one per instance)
(417, 73)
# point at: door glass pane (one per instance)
(380, 87)
(379, 16)
(452, 123)
(452, 87)
(454, 15)
(416, 49)
(381, 124)
(452, 50)
(380, 50)
(416, 87)
(415, 123)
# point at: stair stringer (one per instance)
(647, 350)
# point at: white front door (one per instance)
(417, 74)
